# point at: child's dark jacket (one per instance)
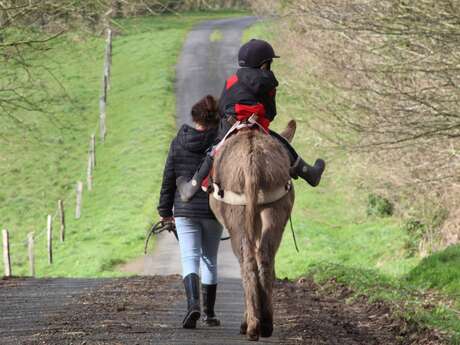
(249, 90)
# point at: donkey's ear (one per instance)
(289, 131)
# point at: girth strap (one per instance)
(264, 197)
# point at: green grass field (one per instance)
(339, 241)
(42, 162)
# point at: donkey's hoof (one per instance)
(253, 331)
(266, 329)
(253, 336)
(243, 327)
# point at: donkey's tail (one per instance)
(252, 177)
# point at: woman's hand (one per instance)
(166, 219)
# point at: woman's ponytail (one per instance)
(205, 112)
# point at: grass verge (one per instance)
(42, 160)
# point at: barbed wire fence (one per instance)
(33, 237)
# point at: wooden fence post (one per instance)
(92, 150)
(49, 228)
(30, 246)
(108, 59)
(79, 199)
(6, 253)
(89, 173)
(61, 219)
(105, 86)
(102, 118)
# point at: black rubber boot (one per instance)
(300, 168)
(311, 174)
(187, 189)
(209, 300)
(192, 290)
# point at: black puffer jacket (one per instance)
(185, 155)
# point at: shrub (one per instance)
(416, 231)
(379, 206)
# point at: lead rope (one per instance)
(293, 234)
(158, 228)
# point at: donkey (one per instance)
(253, 198)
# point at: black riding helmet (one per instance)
(255, 53)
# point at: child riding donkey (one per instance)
(251, 91)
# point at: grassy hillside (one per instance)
(337, 238)
(42, 160)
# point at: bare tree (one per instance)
(27, 27)
(392, 71)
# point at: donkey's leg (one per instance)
(244, 322)
(237, 247)
(265, 261)
(272, 229)
(236, 239)
(251, 291)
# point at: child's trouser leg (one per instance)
(293, 155)
(300, 168)
(188, 188)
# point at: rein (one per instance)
(158, 228)
(293, 234)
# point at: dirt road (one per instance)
(148, 310)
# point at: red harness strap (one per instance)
(205, 182)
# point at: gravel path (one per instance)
(148, 310)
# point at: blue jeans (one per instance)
(199, 240)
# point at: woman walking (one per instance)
(198, 231)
